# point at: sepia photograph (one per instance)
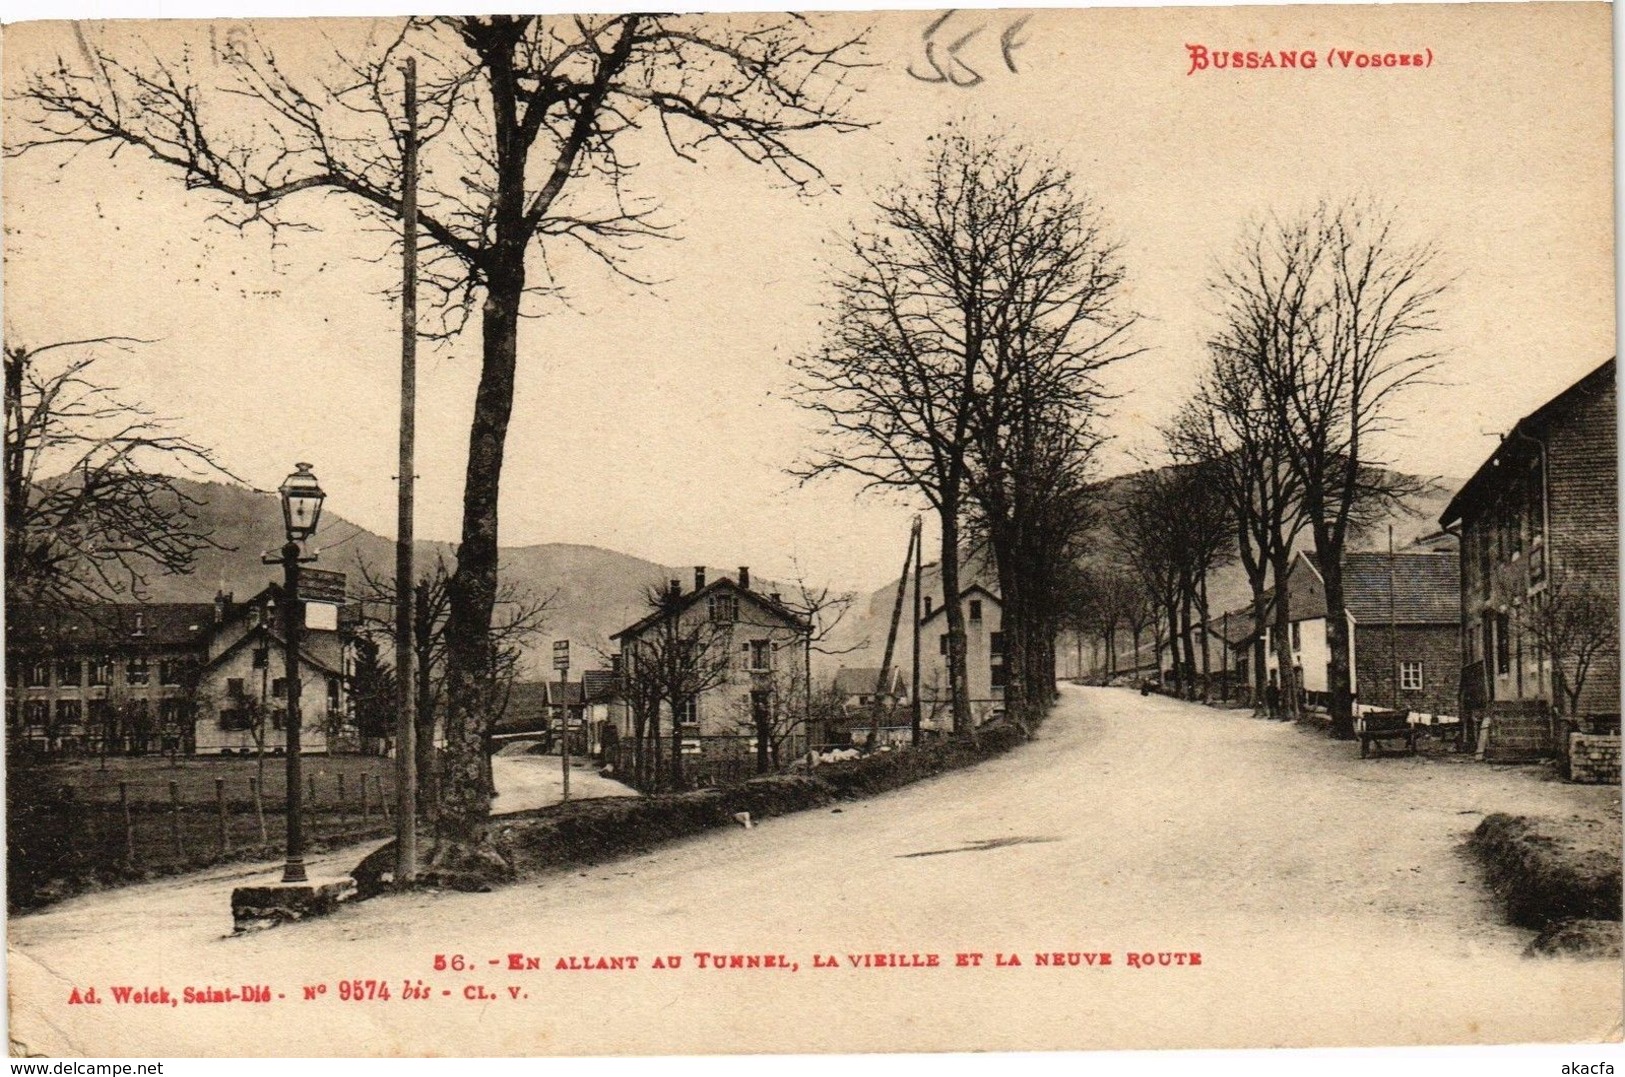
(828, 533)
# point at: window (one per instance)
(999, 677)
(68, 672)
(1503, 644)
(233, 720)
(135, 671)
(942, 643)
(723, 608)
(68, 715)
(995, 644)
(101, 670)
(36, 716)
(234, 688)
(1410, 676)
(690, 712)
(1297, 635)
(761, 654)
(262, 657)
(976, 609)
(170, 671)
(37, 674)
(279, 688)
(332, 695)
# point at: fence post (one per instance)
(366, 805)
(175, 818)
(344, 811)
(310, 802)
(383, 801)
(220, 805)
(259, 809)
(129, 824)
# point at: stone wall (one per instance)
(1594, 758)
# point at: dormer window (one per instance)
(976, 609)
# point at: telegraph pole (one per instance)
(914, 686)
(406, 775)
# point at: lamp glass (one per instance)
(302, 500)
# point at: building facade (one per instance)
(733, 655)
(984, 660)
(1539, 528)
(1403, 632)
(171, 678)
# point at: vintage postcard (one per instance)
(979, 530)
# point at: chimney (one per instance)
(744, 577)
(928, 605)
(699, 577)
(676, 588)
(776, 598)
(221, 601)
(615, 664)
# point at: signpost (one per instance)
(319, 585)
(561, 662)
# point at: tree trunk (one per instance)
(1338, 679)
(676, 769)
(1260, 613)
(1281, 566)
(463, 845)
(958, 689)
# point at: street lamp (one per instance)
(302, 500)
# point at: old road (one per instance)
(1328, 899)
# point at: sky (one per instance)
(657, 421)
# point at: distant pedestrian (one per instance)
(1272, 700)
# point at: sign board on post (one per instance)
(319, 585)
(561, 662)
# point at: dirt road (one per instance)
(1328, 898)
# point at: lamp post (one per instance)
(301, 510)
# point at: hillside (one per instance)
(595, 592)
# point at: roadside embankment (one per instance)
(1561, 881)
(593, 831)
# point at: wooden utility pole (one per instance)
(406, 776)
(883, 682)
(914, 685)
(1393, 628)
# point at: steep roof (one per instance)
(861, 680)
(122, 625)
(1426, 588)
(602, 684)
(1535, 425)
(688, 600)
(973, 589)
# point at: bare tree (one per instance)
(527, 124)
(1330, 313)
(518, 617)
(89, 514)
(673, 657)
(1574, 621)
(1227, 428)
(1173, 527)
(961, 361)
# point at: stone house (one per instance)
(749, 653)
(1404, 632)
(1539, 525)
(984, 660)
(118, 678)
